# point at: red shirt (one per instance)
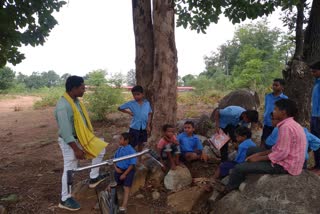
(289, 150)
(163, 142)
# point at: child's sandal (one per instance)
(122, 209)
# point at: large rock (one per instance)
(273, 194)
(187, 200)
(242, 97)
(178, 178)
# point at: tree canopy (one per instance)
(26, 22)
(198, 14)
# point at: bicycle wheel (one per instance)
(104, 202)
(107, 203)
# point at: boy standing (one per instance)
(140, 110)
(315, 111)
(190, 144)
(270, 99)
(228, 119)
(286, 156)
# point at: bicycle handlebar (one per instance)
(108, 162)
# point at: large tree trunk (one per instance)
(298, 76)
(164, 85)
(299, 30)
(156, 59)
(143, 31)
(311, 50)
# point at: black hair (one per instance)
(189, 122)
(281, 81)
(287, 105)
(243, 131)
(137, 88)
(126, 136)
(73, 82)
(166, 127)
(252, 115)
(315, 66)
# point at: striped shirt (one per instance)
(289, 150)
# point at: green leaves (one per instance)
(198, 14)
(26, 22)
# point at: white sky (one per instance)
(99, 35)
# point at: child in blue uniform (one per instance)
(124, 170)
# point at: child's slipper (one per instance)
(122, 209)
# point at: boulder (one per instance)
(203, 125)
(273, 194)
(178, 178)
(188, 199)
(242, 97)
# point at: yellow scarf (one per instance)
(89, 142)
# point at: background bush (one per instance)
(102, 100)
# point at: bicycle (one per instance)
(108, 199)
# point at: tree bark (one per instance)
(143, 31)
(164, 85)
(297, 75)
(311, 50)
(299, 30)
(156, 60)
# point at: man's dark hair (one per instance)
(243, 131)
(315, 66)
(281, 81)
(137, 88)
(73, 82)
(252, 115)
(166, 127)
(189, 122)
(287, 105)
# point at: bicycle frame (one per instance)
(106, 162)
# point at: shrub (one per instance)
(103, 100)
(50, 98)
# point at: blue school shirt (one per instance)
(269, 101)
(313, 142)
(123, 151)
(315, 110)
(189, 143)
(242, 150)
(140, 113)
(230, 116)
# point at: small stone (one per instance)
(139, 196)
(155, 195)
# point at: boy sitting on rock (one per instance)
(190, 144)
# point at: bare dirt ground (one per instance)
(31, 162)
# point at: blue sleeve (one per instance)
(313, 141)
(199, 144)
(179, 137)
(241, 154)
(273, 137)
(126, 105)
